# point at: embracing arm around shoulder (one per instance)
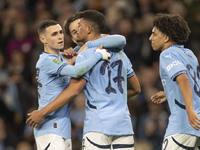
(75, 87)
(186, 91)
(133, 86)
(114, 42)
(80, 69)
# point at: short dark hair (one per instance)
(174, 26)
(93, 16)
(67, 23)
(43, 25)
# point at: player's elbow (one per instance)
(133, 92)
(76, 76)
(138, 90)
(122, 42)
(78, 73)
(121, 39)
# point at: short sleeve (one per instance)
(77, 48)
(130, 71)
(53, 65)
(171, 64)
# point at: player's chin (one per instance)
(60, 46)
(154, 48)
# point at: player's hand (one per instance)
(34, 118)
(193, 119)
(106, 55)
(69, 53)
(159, 97)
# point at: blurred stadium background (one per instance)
(20, 48)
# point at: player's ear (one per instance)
(43, 39)
(166, 38)
(89, 29)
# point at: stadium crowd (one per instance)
(20, 48)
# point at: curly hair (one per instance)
(174, 26)
(96, 18)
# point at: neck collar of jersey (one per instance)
(176, 45)
(54, 55)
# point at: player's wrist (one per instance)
(189, 108)
(43, 112)
(98, 55)
(105, 54)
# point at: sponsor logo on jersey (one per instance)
(66, 79)
(173, 64)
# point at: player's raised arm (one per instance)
(114, 42)
(78, 70)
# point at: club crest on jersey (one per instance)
(163, 82)
(173, 64)
(57, 61)
(66, 79)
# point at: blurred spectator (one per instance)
(152, 125)
(5, 141)
(21, 40)
(77, 120)
(143, 145)
(134, 42)
(18, 65)
(24, 145)
(78, 115)
(3, 67)
(115, 13)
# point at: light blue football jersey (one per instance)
(50, 85)
(53, 76)
(106, 94)
(52, 80)
(174, 61)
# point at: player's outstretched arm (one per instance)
(37, 116)
(113, 42)
(186, 91)
(159, 97)
(78, 70)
